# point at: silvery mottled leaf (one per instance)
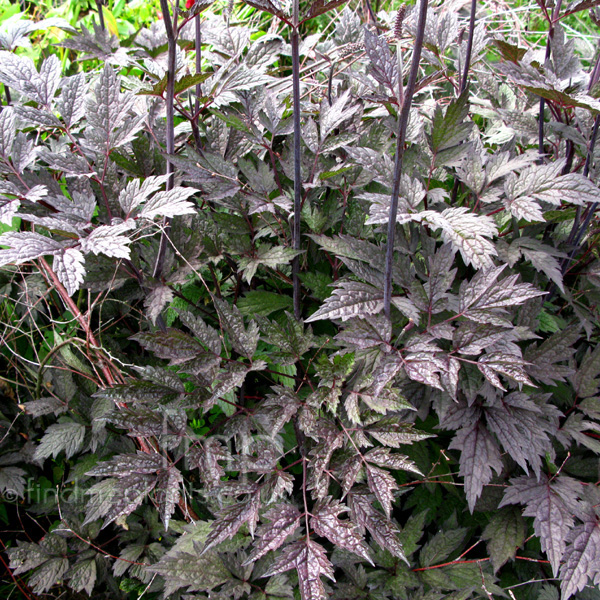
(581, 557)
(13, 482)
(509, 365)
(67, 436)
(332, 116)
(205, 333)
(242, 340)
(191, 570)
(69, 267)
(383, 485)
(108, 240)
(137, 191)
(124, 465)
(344, 534)
(551, 502)
(156, 300)
(505, 533)
(350, 299)
(8, 209)
(172, 344)
(383, 66)
(82, 576)
(479, 455)
(109, 114)
(72, 164)
(384, 457)
(8, 130)
(484, 300)
(267, 256)
(384, 531)
(31, 115)
(25, 245)
(311, 562)
(71, 102)
(466, 231)
(44, 406)
(48, 575)
(545, 183)
(169, 204)
(128, 493)
(15, 31)
(392, 432)
(167, 493)
(19, 73)
(230, 520)
(283, 519)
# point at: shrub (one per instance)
(231, 377)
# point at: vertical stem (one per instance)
(403, 122)
(554, 16)
(8, 96)
(464, 82)
(195, 129)
(297, 164)
(170, 103)
(101, 14)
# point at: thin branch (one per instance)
(403, 123)
(464, 82)
(170, 134)
(297, 164)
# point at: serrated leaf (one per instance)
(26, 245)
(383, 530)
(12, 481)
(71, 102)
(505, 533)
(66, 436)
(261, 302)
(551, 502)
(268, 257)
(392, 432)
(585, 379)
(311, 562)
(108, 240)
(581, 557)
(441, 546)
(156, 300)
(350, 299)
(242, 340)
(230, 520)
(169, 204)
(383, 485)
(172, 344)
(479, 455)
(167, 493)
(191, 570)
(284, 519)
(82, 576)
(344, 534)
(69, 267)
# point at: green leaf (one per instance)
(504, 534)
(261, 302)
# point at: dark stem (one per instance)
(170, 149)
(195, 129)
(101, 14)
(8, 96)
(403, 122)
(297, 170)
(553, 18)
(464, 82)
